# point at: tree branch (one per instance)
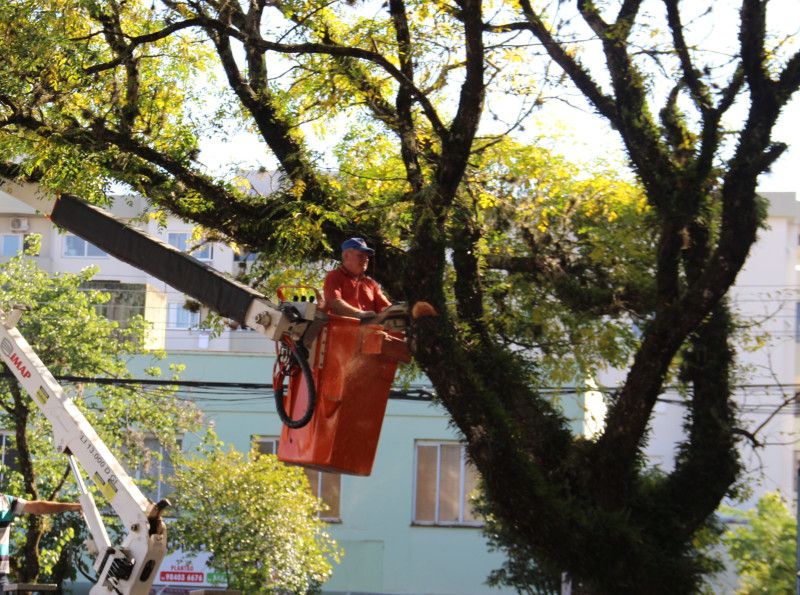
(457, 142)
(708, 463)
(579, 76)
(789, 79)
(572, 288)
(626, 17)
(698, 90)
(752, 36)
(139, 40)
(408, 140)
(467, 286)
(370, 56)
(273, 129)
(592, 17)
(129, 108)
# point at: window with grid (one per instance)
(158, 468)
(183, 241)
(178, 317)
(444, 480)
(325, 486)
(8, 455)
(75, 247)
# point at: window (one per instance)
(75, 247)
(243, 256)
(8, 455)
(328, 488)
(182, 241)
(126, 299)
(444, 481)
(178, 317)
(266, 445)
(325, 486)
(11, 244)
(158, 468)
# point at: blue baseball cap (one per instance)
(357, 244)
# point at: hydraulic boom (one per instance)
(208, 286)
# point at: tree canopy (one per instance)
(423, 104)
(762, 543)
(256, 516)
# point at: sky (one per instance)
(784, 176)
(247, 151)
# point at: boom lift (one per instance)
(338, 370)
(127, 569)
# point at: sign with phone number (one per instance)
(180, 569)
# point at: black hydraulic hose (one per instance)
(301, 359)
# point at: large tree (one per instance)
(100, 91)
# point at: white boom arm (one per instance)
(131, 568)
(127, 569)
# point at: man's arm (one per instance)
(381, 301)
(49, 507)
(341, 308)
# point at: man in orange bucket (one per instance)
(348, 290)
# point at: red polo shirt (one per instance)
(361, 292)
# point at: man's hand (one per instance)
(366, 315)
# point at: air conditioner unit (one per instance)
(19, 224)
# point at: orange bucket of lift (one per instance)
(353, 367)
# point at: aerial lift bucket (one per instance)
(353, 366)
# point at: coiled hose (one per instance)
(292, 360)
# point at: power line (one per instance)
(268, 385)
(413, 394)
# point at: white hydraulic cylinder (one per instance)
(90, 513)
